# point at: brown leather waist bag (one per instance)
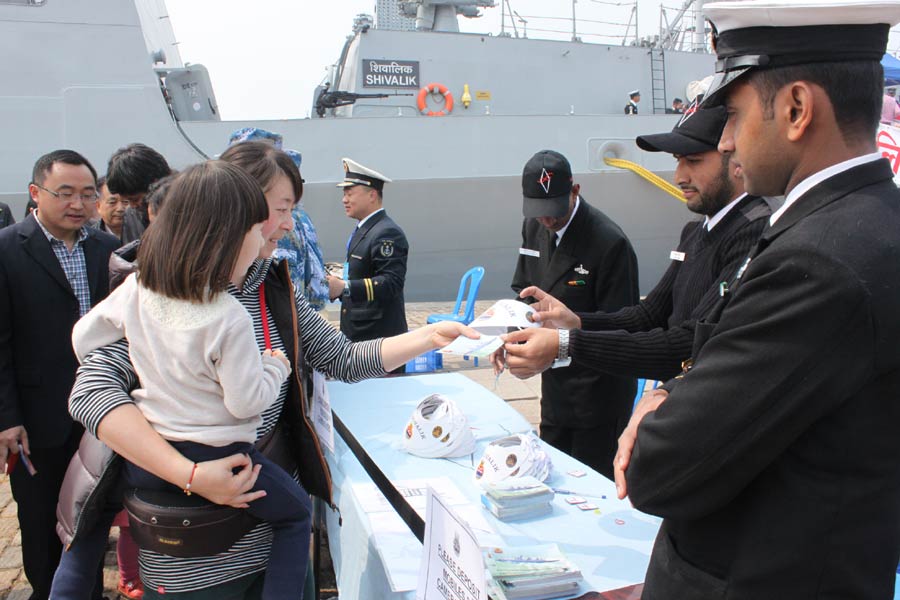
(188, 526)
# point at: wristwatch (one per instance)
(346, 292)
(562, 357)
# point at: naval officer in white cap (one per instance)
(371, 288)
(634, 96)
(775, 460)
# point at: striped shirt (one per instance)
(72, 263)
(106, 377)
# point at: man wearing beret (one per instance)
(371, 289)
(774, 460)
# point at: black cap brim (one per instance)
(715, 95)
(532, 208)
(673, 143)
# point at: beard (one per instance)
(719, 193)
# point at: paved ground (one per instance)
(522, 395)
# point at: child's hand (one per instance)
(279, 355)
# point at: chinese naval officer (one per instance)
(371, 288)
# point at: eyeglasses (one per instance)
(69, 196)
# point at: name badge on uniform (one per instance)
(676, 255)
(529, 252)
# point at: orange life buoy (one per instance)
(435, 88)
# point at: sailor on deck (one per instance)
(634, 97)
(371, 288)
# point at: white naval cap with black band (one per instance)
(357, 174)
(763, 34)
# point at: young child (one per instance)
(204, 383)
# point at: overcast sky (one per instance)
(266, 57)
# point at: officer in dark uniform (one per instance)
(633, 98)
(371, 288)
(677, 107)
(581, 256)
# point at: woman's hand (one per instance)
(216, 481)
(399, 349)
(444, 332)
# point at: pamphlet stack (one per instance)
(517, 498)
(531, 573)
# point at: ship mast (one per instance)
(672, 35)
(440, 15)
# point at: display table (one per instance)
(375, 557)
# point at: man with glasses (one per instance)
(129, 174)
(53, 269)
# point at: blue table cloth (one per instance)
(611, 545)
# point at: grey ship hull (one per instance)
(456, 189)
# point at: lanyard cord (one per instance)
(264, 317)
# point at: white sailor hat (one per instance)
(761, 34)
(633, 93)
(517, 455)
(356, 174)
(438, 428)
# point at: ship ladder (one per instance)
(669, 188)
(658, 78)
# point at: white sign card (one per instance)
(452, 564)
(397, 547)
(321, 412)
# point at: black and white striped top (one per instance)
(106, 376)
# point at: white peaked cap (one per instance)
(357, 174)
(765, 34)
(740, 14)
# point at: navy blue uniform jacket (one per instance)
(376, 257)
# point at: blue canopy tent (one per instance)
(891, 70)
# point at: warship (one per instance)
(450, 117)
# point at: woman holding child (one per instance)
(102, 396)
